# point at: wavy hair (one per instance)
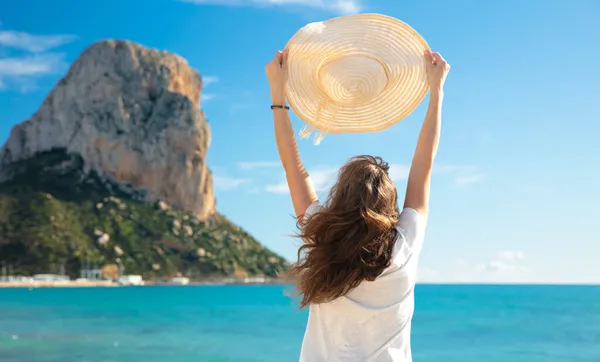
(350, 239)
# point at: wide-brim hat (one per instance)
(357, 73)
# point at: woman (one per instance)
(357, 267)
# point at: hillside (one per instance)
(53, 214)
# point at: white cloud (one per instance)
(469, 179)
(504, 262)
(508, 266)
(228, 183)
(31, 65)
(251, 165)
(345, 7)
(209, 79)
(279, 188)
(399, 172)
(205, 97)
(325, 176)
(511, 255)
(322, 177)
(454, 169)
(459, 262)
(427, 275)
(463, 174)
(22, 71)
(498, 266)
(33, 43)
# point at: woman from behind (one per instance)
(356, 269)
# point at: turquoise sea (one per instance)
(452, 323)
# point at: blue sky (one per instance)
(515, 192)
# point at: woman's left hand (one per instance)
(276, 71)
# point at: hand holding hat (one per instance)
(437, 69)
(276, 71)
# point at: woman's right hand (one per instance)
(437, 70)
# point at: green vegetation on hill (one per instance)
(54, 215)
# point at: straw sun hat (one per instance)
(358, 73)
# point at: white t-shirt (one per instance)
(371, 323)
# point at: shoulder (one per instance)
(411, 234)
(412, 225)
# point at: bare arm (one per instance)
(419, 178)
(298, 179)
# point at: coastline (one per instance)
(231, 281)
(110, 283)
(59, 284)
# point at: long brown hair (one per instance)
(350, 239)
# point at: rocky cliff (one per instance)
(133, 115)
(111, 170)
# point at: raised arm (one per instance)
(419, 178)
(298, 179)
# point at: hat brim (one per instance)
(379, 40)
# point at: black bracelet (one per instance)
(277, 106)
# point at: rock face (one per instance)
(133, 115)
